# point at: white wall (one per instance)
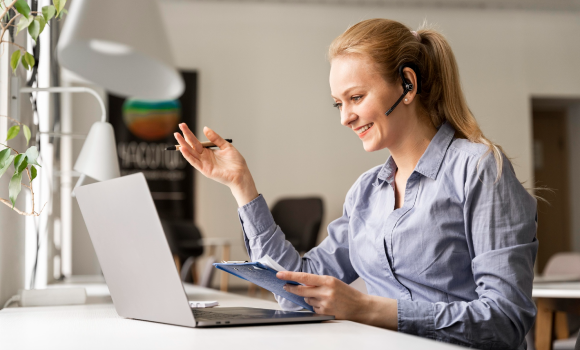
(264, 83)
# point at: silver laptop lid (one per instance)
(133, 252)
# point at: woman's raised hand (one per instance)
(225, 165)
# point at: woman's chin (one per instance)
(370, 146)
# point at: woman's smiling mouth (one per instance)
(363, 129)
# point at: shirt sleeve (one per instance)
(500, 227)
(263, 237)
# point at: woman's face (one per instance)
(363, 96)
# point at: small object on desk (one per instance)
(49, 297)
(234, 262)
(203, 304)
(205, 144)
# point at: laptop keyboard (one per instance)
(208, 315)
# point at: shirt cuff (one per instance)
(416, 317)
(255, 217)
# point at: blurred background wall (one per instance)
(263, 81)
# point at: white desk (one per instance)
(97, 326)
(557, 290)
(550, 299)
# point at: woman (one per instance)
(443, 233)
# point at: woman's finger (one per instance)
(301, 277)
(190, 138)
(312, 302)
(215, 138)
(188, 155)
(185, 147)
(303, 291)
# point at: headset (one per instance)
(407, 85)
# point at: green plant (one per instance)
(34, 23)
(22, 163)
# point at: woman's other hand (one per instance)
(225, 165)
(331, 296)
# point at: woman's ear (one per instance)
(410, 77)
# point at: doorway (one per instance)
(551, 172)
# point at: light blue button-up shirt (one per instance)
(458, 255)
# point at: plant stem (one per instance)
(4, 28)
(1, 144)
(11, 43)
(8, 203)
(12, 119)
(7, 8)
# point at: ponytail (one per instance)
(391, 44)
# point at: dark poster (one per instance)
(142, 131)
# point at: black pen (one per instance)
(206, 144)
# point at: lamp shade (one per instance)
(98, 157)
(120, 45)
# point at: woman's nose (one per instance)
(347, 116)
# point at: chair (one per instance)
(300, 220)
(184, 240)
(564, 265)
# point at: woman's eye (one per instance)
(337, 105)
(356, 98)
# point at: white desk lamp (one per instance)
(120, 45)
(98, 157)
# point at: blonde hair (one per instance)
(390, 44)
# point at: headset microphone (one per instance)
(407, 85)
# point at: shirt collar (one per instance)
(429, 163)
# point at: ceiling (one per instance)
(545, 5)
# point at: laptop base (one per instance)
(232, 316)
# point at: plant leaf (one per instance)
(62, 13)
(32, 155)
(25, 65)
(18, 160)
(32, 173)
(34, 29)
(22, 8)
(27, 132)
(28, 58)
(4, 154)
(23, 24)
(59, 5)
(15, 60)
(23, 165)
(48, 12)
(6, 165)
(13, 132)
(42, 23)
(14, 187)
(5, 160)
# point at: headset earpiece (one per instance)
(407, 85)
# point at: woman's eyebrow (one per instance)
(347, 90)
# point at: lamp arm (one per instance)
(71, 89)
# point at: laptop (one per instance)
(138, 266)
